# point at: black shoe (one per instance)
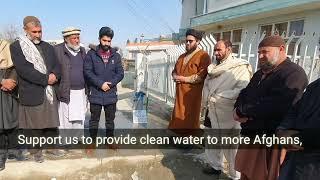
(211, 171)
(2, 165)
(38, 157)
(17, 155)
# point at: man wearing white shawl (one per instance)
(222, 86)
(38, 74)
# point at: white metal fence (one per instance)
(304, 48)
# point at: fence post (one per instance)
(314, 57)
(212, 43)
(295, 51)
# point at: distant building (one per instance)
(148, 48)
(54, 42)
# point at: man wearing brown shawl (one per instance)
(189, 74)
(262, 105)
(8, 104)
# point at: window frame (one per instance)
(287, 35)
(231, 36)
(204, 8)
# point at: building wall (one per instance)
(249, 26)
(188, 11)
(252, 29)
(217, 5)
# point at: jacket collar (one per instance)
(112, 50)
(66, 51)
(229, 63)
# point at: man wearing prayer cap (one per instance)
(189, 74)
(263, 104)
(72, 95)
(38, 76)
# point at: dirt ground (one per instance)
(136, 164)
(169, 164)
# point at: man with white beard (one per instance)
(72, 94)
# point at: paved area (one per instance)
(135, 164)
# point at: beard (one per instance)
(190, 49)
(105, 47)
(221, 58)
(269, 64)
(75, 48)
(34, 40)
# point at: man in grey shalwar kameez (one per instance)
(38, 73)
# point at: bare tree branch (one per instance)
(10, 33)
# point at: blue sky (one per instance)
(128, 18)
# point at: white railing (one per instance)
(159, 66)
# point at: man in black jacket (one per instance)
(38, 73)
(103, 71)
(262, 105)
(303, 162)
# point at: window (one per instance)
(281, 28)
(267, 29)
(233, 35)
(297, 27)
(236, 40)
(286, 29)
(236, 37)
(201, 7)
(226, 35)
(216, 36)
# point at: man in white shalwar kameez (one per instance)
(72, 93)
(222, 86)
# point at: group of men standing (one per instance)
(45, 88)
(233, 98)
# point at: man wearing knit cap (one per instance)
(38, 74)
(260, 107)
(103, 71)
(72, 97)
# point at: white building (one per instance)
(237, 20)
(147, 48)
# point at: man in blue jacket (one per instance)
(103, 70)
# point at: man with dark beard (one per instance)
(189, 74)
(38, 74)
(72, 94)
(225, 80)
(262, 105)
(103, 70)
